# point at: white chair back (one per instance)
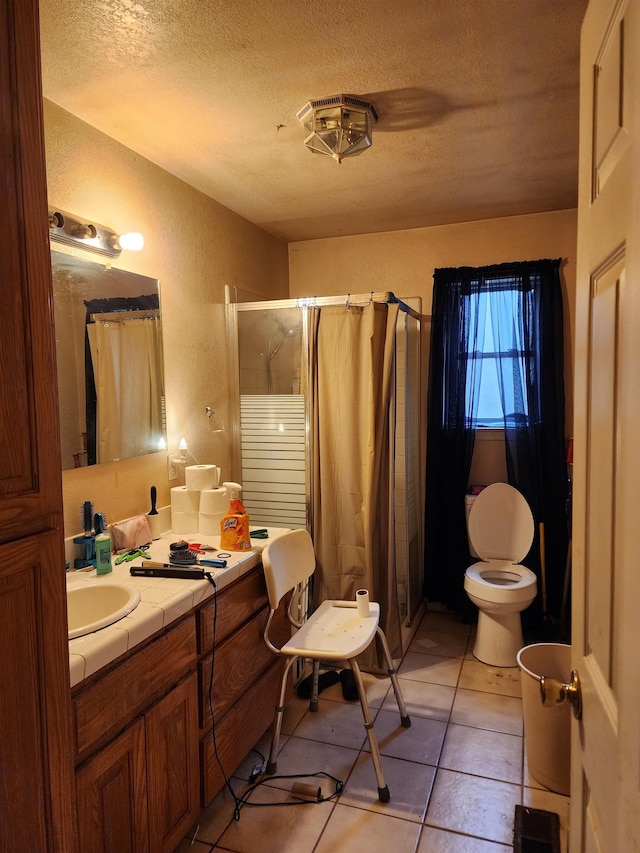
(287, 561)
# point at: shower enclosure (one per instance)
(276, 354)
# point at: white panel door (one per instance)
(605, 777)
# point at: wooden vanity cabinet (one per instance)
(140, 793)
(238, 704)
(146, 761)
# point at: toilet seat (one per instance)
(500, 581)
(501, 524)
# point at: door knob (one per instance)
(554, 692)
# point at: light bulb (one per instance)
(162, 443)
(182, 447)
(133, 241)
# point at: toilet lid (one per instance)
(501, 524)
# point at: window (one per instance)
(495, 392)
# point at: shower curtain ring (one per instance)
(371, 297)
(347, 304)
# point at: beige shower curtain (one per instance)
(352, 358)
(126, 358)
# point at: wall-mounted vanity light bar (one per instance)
(68, 229)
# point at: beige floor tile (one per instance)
(351, 830)
(468, 804)
(422, 699)
(186, 846)
(487, 711)
(310, 756)
(447, 623)
(435, 840)
(421, 742)
(551, 802)
(438, 643)
(219, 814)
(432, 669)
(492, 679)
(493, 755)
(409, 784)
(334, 722)
(271, 828)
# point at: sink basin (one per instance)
(91, 606)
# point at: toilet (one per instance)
(500, 528)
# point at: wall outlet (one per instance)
(172, 469)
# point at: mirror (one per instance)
(109, 359)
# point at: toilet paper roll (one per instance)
(209, 523)
(213, 501)
(184, 522)
(184, 499)
(200, 477)
(362, 602)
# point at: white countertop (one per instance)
(162, 600)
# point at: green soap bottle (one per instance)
(103, 546)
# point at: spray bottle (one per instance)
(234, 526)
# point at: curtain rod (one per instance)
(322, 301)
(120, 316)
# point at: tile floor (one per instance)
(455, 776)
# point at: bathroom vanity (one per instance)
(146, 760)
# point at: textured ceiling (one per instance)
(478, 102)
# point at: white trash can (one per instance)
(547, 731)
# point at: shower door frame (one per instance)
(303, 304)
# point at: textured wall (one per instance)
(403, 261)
(194, 246)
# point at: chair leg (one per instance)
(383, 790)
(404, 716)
(313, 701)
(272, 763)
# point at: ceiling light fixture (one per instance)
(68, 229)
(338, 126)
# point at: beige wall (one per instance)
(194, 246)
(404, 261)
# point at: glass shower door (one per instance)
(273, 418)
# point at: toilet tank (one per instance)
(468, 503)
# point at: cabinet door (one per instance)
(173, 774)
(30, 479)
(112, 797)
(36, 769)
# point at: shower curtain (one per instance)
(352, 352)
(126, 356)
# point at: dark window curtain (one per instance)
(534, 424)
(535, 445)
(450, 437)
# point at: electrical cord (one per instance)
(258, 769)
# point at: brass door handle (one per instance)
(554, 693)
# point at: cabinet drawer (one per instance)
(239, 731)
(239, 660)
(106, 706)
(235, 604)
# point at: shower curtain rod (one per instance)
(347, 300)
(120, 316)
